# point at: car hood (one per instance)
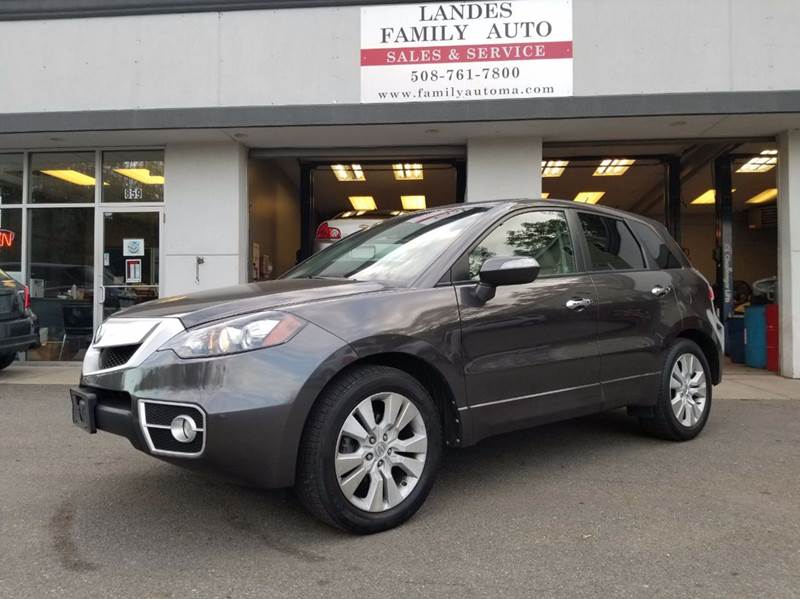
(206, 306)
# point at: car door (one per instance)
(637, 309)
(530, 352)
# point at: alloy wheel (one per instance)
(381, 452)
(688, 393)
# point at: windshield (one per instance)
(395, 252)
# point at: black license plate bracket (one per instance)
(83, 410)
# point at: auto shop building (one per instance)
(152, 148)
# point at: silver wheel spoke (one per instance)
(345, 462)
(416, 444)
(411, 466)
(374, 498)
(393, 404)
(352, 428)
(367, 413)
(393, 495)
(407, 414)
(351, 482)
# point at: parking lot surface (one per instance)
(586, 508)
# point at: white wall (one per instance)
(789, 252)
(669, 46)
(503, 168)
(311, 56)
(205, 195)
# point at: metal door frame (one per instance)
(99, 237)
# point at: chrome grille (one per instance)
(155, 418)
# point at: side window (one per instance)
(612, 246)
(542, 234)
(654, 245)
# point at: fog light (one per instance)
(183, 429)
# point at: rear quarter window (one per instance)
(611, 244)
(654, 246)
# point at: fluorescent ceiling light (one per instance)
(764, 197)
(553, 168)
(613, 167)
(762, 163)
(589, 197)
(348, 172)
(408, 172)
(413, 202)
(545, 194)
(70, 176)
(142, 175)
(362, 202)
(707, 197)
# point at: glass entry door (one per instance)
(130, 259)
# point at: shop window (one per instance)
(62, 178)
(11, 242)
(133, 176)
(61, 280)
(11, 166)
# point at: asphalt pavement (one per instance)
(586, 508)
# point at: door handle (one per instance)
(578, 303)
(660, 291)
(101, 296)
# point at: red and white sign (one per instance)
(466, 51)
(133, 270)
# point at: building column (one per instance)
(504, 168)
(723, 210)
(206, 217)
(789, 251)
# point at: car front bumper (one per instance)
(254, 404)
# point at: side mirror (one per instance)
(505, 271)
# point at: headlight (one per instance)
(235, 336)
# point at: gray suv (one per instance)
(348, 376)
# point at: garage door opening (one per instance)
(346, 196)
(718, 199)
(298, 207)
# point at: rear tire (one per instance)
(6, 360)
(684, 396)
(370, 450)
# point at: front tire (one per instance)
(684, 397)
(370, 450)
(6, 360)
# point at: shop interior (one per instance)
(634, 178)
(637, 179)
(298, 207)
